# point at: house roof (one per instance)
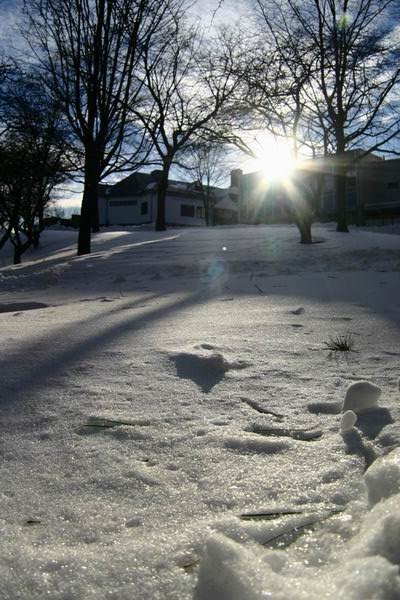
(133, 184)
(138, 183)
(103, 188)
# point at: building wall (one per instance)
(102, 202)
(184, 211)
(388, 194)
(133, 210)
(137, 210)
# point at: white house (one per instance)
(133, 201)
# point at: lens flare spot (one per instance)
(215, 269)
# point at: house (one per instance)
(133, 201)
(372, 189)
(258, 202)
(385, 203)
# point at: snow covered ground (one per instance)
(171, 417)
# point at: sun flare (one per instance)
(274, 158)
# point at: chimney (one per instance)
(236, 176)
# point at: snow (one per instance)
(383, 477)
(348, 421)
(171, 421)
(361, 396)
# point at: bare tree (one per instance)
(205, 161)
(187, 84)
(273, 98)
(88, 52)
(352, 58)
(33, 147)
(27, 178)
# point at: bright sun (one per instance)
(273, 158)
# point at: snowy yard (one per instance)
(159, 393)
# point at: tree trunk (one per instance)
(206, 211)
(84, 224)
(36, 237)
(162, 190)
(17, 255)
(340, 193)
(305, 231)
(89, 204)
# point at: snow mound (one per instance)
(373, 577)
(348, 421)
(383, 477)
(233, 571)
(230, 572)
(380, 532)
(361, 396)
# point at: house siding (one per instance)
(127, 210)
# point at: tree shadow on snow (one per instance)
(45, 362)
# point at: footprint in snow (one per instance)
(298, 311)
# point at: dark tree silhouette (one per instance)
(33, 159)
(89, 52)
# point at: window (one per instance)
(393, 185)
(144, 208)
(187, 210)
(199, 212)
(123, 203)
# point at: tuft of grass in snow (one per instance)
(341, 343)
